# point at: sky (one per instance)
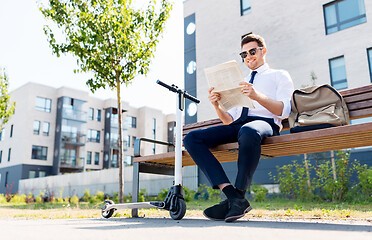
(26, 57)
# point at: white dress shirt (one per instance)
(275, 84)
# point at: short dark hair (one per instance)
(253, 38)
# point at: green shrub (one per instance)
(74, 200)
(86, 196)
(18, 199)
(2, 199)
(259, 193)
(100, 196)
(142, 195)
(188, 194)
(163, 193)
(39, 199)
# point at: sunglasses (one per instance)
(251, 52)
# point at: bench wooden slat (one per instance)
(343, 137)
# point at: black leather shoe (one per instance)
(217, 212)
(237, 209)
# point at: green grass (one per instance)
(270, 209)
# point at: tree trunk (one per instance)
(120, 157)
(307, 172)
(333, 165)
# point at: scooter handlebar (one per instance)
(176, 90)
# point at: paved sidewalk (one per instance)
(187, 228)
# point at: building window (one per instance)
(36, 127)
(1, 155)
(46, 126)
(245, 7)
(6, 179)
(94, 135)
(133, 140)
(153, 133)
(338, 72)
(11, 130)
(128, 141)
(131, 121)
(43, 104)
(98, 115)
(91, 114)
(42, 173)
(2, 134)
(89, 157)
(96, 158)
(9, 153)
(369, 54)
(128, 160)
(32, 174)
(343, 14)
(39, 152)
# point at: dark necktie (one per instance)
(244, 116)
(252, 76)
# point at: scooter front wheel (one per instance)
(109, 213)
(180, 210)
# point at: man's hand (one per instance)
(249, 91)
(214, 97)
(276, 107)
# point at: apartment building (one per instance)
(58, 131)
(317, 42)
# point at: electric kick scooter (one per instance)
(174, 201)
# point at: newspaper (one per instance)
(225, 79)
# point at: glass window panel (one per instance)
(1, 156)
(348, 9)
(89, 157)
(98, 117)
(91, 114)
(96, 158)
(369, 52)
(43, 104)
(42, 173)
(338, 73)
(31, 174)
(344, 14)
(330, 15)
(245, 6)
(39, 152)
(36, 127)
(46, 128)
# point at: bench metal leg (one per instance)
(135, 188)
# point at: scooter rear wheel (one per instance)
(180, 211)
(109, 213)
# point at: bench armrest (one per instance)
(137, 144)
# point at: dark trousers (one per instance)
(249, 135)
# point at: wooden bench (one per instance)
(358, 100)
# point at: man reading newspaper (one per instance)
(270, 93)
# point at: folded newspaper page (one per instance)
(225, 79)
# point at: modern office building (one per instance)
(56, 131)
(317, 42)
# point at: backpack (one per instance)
(317, 107)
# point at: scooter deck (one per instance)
(121, 206)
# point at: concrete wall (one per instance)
(103, 180)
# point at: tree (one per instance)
(110, 38)
(6, 108)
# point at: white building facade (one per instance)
(58, 131)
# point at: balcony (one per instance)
(72, 163)
(74, 114)
(76, 139)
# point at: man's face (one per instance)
(254, 61)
